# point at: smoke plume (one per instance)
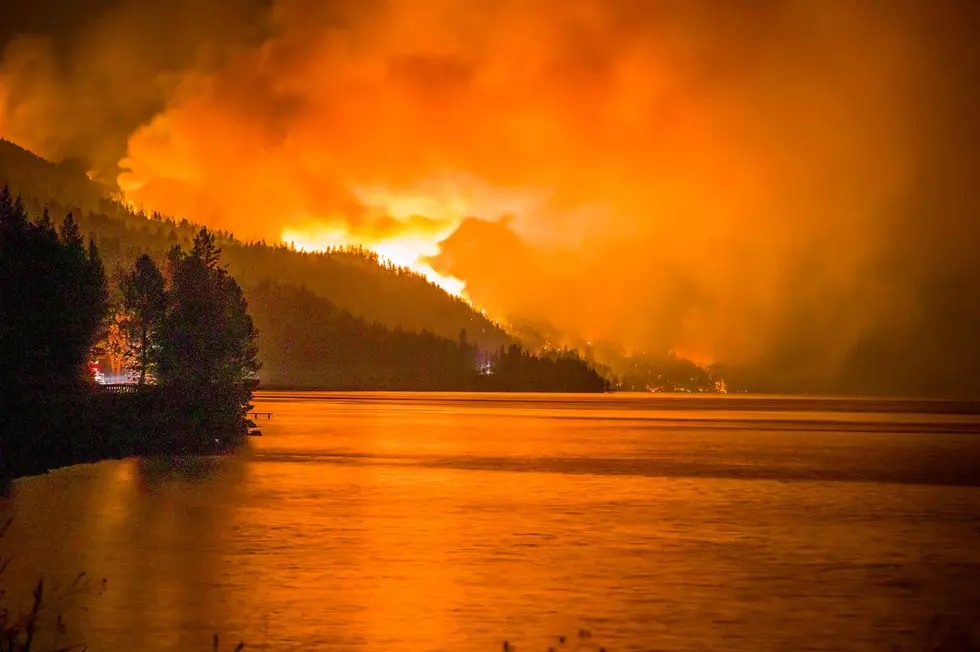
(781, 186)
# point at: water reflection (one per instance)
(160, 471)
(155, 471)
(406, 525)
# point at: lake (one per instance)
(454, 521)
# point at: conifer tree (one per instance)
(208, 351)
(144, 303)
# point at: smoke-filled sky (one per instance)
(783, 184)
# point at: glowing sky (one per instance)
(763, 182)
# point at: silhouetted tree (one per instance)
(53, 305)
(144, 303)
(208, 353)
(54, 298)
(95, 292)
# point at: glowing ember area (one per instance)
(403, 228)
(403, 251)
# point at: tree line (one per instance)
(185, 331)
(514, 369)
(343, 352)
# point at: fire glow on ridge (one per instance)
(407, 243)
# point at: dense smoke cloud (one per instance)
(77, 78)
(784, 186)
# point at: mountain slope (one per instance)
(355, 281)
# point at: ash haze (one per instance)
(788, 188)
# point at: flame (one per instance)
(407, 251)
(406, 244)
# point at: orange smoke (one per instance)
(733, 181)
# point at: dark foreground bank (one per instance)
(183, 330)
(65, 428)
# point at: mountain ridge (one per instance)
(354, 279)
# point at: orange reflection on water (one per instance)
(414, 522)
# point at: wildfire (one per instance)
(404, 251)
(406, 242)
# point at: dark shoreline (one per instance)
(467, 390)
(83, 425)
(707, 401)
(86, 427)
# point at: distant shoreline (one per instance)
(404, 390)
(707, 400)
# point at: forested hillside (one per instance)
(338, 320)
(343, 352)
(353, 280)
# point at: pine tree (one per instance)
(70, 233)
(53, 304)
(208, 350)
(144, 303)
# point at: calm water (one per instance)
(438, 522)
